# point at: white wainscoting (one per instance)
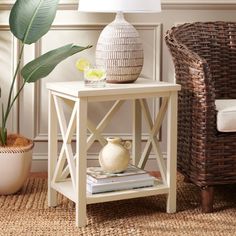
(29, 117)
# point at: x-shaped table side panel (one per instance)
(62, 171)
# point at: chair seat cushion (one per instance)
(226, 115)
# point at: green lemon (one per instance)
(95, 74)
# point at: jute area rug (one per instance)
(27, 213)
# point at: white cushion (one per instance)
(226, 115)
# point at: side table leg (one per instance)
(137, 132)
(52, 149)
(81, 159)
(172, 152)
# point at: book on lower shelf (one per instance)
(97, 175)
(116, 186)
(99, 181)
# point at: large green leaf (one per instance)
(44, 64)
(31, 19)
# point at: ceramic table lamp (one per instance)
(119, 48)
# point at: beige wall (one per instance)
(30, 116)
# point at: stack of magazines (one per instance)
(99, 181)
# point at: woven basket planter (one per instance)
(15, 164)
(120, 51)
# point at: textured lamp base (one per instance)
(120, 51)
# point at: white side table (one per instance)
(67, 172)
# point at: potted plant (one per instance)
(29, 21)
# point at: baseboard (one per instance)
(41, 164)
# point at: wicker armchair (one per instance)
(204, 56)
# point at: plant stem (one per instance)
(10, 103)
(14, 78)
(4, 132)
(3, 136)
(13, 101)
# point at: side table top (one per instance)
(141, 85)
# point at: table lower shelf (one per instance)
(66, 189)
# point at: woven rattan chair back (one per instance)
(216, 43)
(204, 56)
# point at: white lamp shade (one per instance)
(131, 6)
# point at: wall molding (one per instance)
(41, 164)
(166, 4)
(201, 2)
(198, 4)
(15, 49)
(90, 156)
(162, 1)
